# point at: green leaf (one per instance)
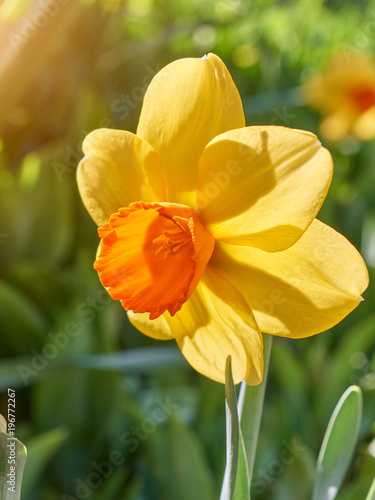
(178, 461)
(22, 324)
(371, 493)
(41, 449)
(242, 488)
(229, 482)
(21, 371)
(232, 426)
(145, 359)
(12, 461)
(251, 407)
(338, 444)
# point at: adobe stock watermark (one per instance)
(131, 440)
(282, 117)
(129, 102)
(275, 297)
(363, 39)
(219, 180)
(121, 106)
(34, 21)
(87, 311)
(264, 476)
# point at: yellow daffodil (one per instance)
(345, 95)
(208, 230)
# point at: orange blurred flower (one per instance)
(345, 95)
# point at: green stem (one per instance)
(250, 408)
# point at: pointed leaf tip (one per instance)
(338, 444)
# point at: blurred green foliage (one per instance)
(105, 412)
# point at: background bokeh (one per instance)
(105, 412)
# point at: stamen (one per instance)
(172, 240)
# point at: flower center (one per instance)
(172, 240)
(152, 256)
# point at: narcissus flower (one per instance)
(208, 230)
(345, 95)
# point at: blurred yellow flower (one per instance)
(345, 95)
(208, 229)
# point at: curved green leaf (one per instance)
(338, 444)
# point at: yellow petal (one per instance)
(155, 328)
(301, 291)
(118, 169)
(217, 322)
(262, 186)
(214, 323)
(187, 104)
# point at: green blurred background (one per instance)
(91, 390)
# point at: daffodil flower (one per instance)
(345, 94)
(208, 230)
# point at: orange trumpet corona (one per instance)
(153, 255)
